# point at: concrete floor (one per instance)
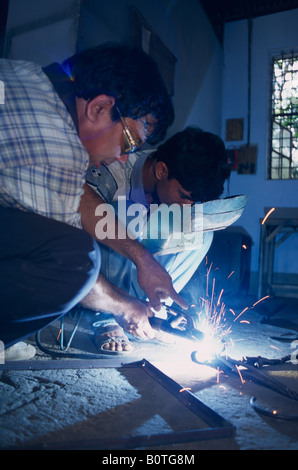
(113, 404)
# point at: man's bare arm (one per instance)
(152, 277)
(130, 313)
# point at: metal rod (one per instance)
(219, 427)
(187, 398)
(138, 442)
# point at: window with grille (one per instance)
(284, 117)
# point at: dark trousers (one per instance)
(46, 268)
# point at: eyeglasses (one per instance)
(132, 141)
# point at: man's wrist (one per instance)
(140, 255)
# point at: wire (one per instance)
(66, 355)
(272, 414)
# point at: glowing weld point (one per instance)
(274, 412)
(183, 389)
(209, 348)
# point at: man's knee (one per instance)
(90, 263)
(53, 276)
(76, 260)
(46, 269)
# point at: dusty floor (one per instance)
(70, 403)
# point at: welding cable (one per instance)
(259, 361)
(285, 339)
(273, 413)
(255, 374)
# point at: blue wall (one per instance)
(270, 34)
(211, 82)
(185, 29)
(48, 31)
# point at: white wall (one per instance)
(270, 34)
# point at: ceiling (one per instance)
(224, 11)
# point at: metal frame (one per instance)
(283, 221)
(217, 427)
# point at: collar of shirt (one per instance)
(137, 193)
(64, 87)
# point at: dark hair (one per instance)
(198, 160)
(129, 75)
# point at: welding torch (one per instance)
(179, 323)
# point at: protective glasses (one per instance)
(132, 141)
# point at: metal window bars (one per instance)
(283, 161)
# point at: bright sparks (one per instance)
(213, 322)
(261, 300)
(267, 215)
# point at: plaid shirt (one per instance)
(42, 160)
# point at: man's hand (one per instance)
(130, 313)
(134, 318)
(157, 283)
(152, 277)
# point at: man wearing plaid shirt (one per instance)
(99, 105)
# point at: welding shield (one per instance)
(172, 229)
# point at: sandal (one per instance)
(104, 336)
